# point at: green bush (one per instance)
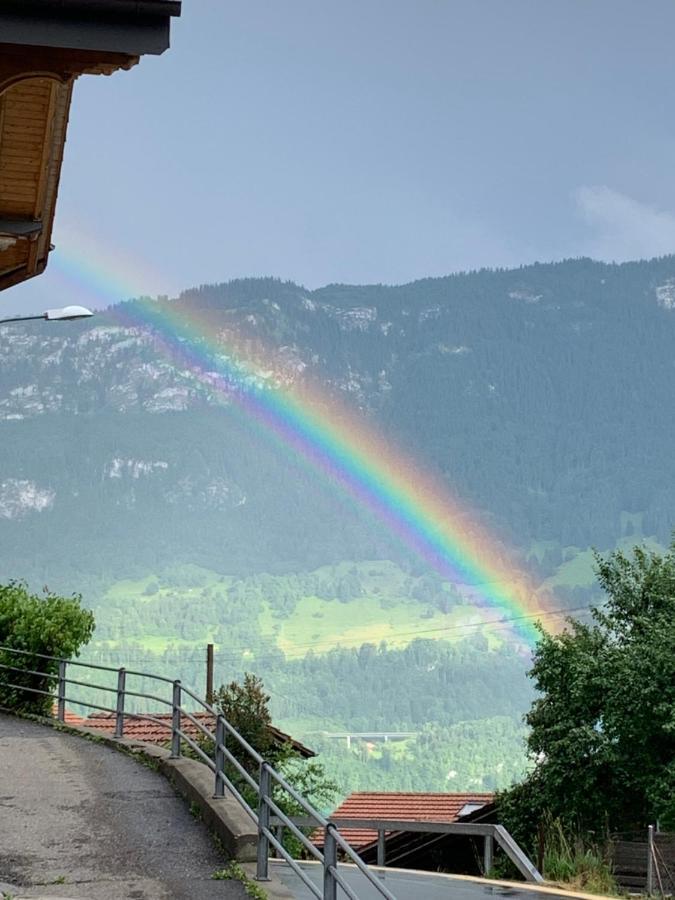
(46, 625)
(246, 707)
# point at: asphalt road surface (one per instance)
(408, 885)
(82, 820)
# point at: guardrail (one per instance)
(490, 833)
(55, 682)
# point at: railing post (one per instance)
(488, 854)
(650, 860)
(61, 691)
(381, 848)
(520, 860)
(219, 757)
(119, 715)
(175, 721)
(329, 863)
(265, 789)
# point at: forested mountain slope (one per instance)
(543, 395)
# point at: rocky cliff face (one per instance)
(543, 396)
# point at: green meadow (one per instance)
(578, 567)
(346, 605)
(319, 624)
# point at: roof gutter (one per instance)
(96, 7)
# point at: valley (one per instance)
(182, 521)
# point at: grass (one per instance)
(323, 624)
(576, 864)
(195, 810)
(384, 612)
(579, 569)
(234, 872)
(127, 588)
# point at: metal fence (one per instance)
(53, 675)
(645, 862)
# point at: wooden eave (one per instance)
(72, 38)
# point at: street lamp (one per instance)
(65, 314)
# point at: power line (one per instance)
(328, 642)
(505, 621)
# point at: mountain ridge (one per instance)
(536, 393)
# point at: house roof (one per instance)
(405, 806)
(72, 718)
(133, 27)
(94, 8)
(159, 731)
(44, 46)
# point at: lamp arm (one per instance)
(21, 319)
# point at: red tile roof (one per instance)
(143, 729)
(405, 806)
(159, 731)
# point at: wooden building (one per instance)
(45, 45)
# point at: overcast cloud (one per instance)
(623, 228)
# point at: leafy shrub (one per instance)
(46, 625)
(246, 708)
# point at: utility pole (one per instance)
(209, 673)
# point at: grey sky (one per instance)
(374, 140)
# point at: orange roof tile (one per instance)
(159, 730)
(142, 729)
(406, 806)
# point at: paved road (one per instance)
(409, 886)
(81, 820)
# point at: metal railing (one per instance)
(490, 833)
(55, 682)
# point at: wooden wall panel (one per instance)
(28, 126)
(25, 125)
(36, 86)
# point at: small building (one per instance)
(45, 45)
(419, 850)
(409, 806)
(156, 728)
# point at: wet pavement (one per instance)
(409, 885)
(82, 820)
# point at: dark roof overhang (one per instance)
(95, 7)
(134, 27)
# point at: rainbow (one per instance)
(338, 441)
